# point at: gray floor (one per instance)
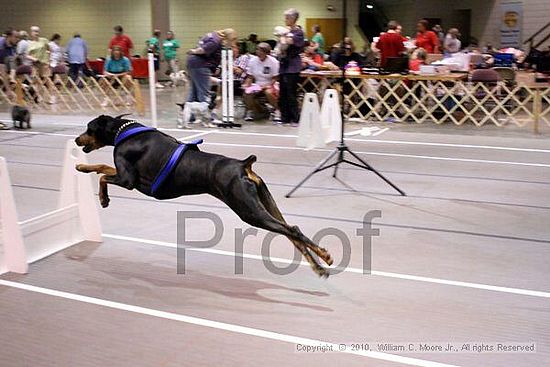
(476, 213)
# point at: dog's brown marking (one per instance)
(104, 169)
(269, 203)
(97, 168)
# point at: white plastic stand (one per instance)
(152, 89)
(228, 93)
(75, 220)
(310, 133)
(331, 118)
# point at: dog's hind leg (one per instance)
(245, 202)
(269, 203)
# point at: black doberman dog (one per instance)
(139, 159)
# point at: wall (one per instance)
(93, 19)
(190, 20)
(485, 15)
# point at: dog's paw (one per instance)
(82, 168)
(104, 201)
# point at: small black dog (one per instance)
(21, 116)
(143, 157)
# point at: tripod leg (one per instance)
(317, 169)
(340, 158)
(369, 167)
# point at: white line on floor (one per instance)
(358, 152)
(188, 138)
(523, 292)
(219, 325)
(390, 155)
(399, 142)
(381, 131)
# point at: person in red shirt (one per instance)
(390, 43)
(310, 58)
(426, 39)
(419, 58)
(121, 40)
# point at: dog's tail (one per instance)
(247, 163)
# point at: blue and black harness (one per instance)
(169, 165)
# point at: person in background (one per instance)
(438, 30)
(318, 39)
(39, 52)
(77, 53)
(452, 44)
(57, 56)
(240, 65)
(170, 48)
(311, 59)
(290, 67)
(22, 50)
(390, 43)
(8, 46)
(123, 41)
(252, 43)
(153, 46)
(347, 56)
(259, 86)
(117, 68)
(426, 39)
(201, 62)
(419, 58)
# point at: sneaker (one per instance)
(294, 124)
(129, 101)
(249, 116)
(52, 100)
(276, 116)
(158, 85)
(105, 102)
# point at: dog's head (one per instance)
(99, 133)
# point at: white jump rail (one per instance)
(75, 220)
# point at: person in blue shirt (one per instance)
(117, 70)
(77, 53)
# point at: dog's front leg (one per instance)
(97, 168)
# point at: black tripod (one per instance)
(342, 148)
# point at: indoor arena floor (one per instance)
(463, 259)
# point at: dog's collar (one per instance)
(124, 126)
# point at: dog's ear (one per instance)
(120, 116)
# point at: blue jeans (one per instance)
(199, 89)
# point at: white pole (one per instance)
(230, 85)
(152, 90)
(224, 86)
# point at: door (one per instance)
(331, 28)
(462, 21)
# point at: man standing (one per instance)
(170, 47)
(390, 43)
(123, 41)
(291, 65)
(77, 52)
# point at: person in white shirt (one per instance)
(452, 44)
(260, 85)
(56, 51)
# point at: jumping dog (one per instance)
(142, 155)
